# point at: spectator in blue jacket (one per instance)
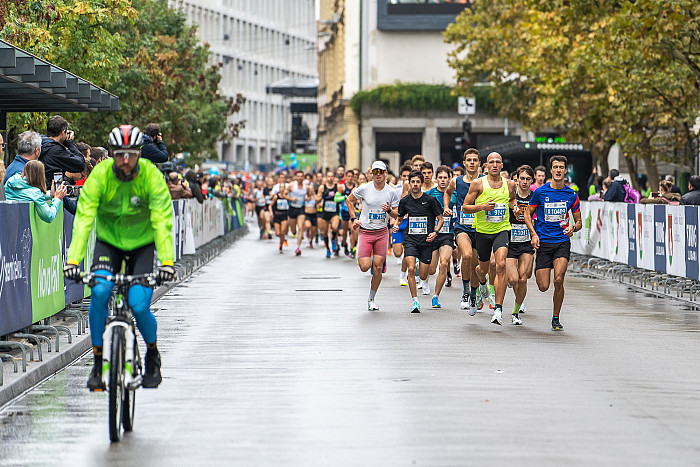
(28, 149)
(30, 186)
(616, 192)
(153, 147)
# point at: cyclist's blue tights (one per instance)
(139, 301)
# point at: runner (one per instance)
(329, 216)
(297, 193)
(552, 232)
(310, 224)
(540, 176)
(261, 208)
(465, 234)
(280, 209)
(424, 223)
(346, 237)
(427, 171)
(489, 198)
(379, 202)
(397, 237)
(520, 251)
(445, 241)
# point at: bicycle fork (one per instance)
(130, 381)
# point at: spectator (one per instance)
(664, 196)
(58, 150)
(84, 149)
(176, 187)
(99, 154)
(693, 195)
(30, 185)
(2, 168)
(616, 192)
(28, 148)
(674, 188)
(194, 186)
(153, 147)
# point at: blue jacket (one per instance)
(16, 167)
(154, 152)
(17, 189)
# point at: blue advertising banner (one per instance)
(631, 235)
(15, 267)
(691, 242)
(660, 238)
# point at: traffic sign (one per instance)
(466, 105)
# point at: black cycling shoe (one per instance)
(94, 382)
(152, 377)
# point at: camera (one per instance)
(73, 190)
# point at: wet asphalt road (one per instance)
(270, 359)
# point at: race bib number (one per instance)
(497, 215)
(555, 212)
(267, 199)
(330, 206)
(519, 233)
(418, 225)
(298, 203)
(447, 220)
(377, 217)
(466, 219)
(282, 205)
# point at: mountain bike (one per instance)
(122, 367)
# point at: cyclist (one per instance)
(130, 201)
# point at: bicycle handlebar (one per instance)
(148, 280)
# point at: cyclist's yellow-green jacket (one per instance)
(129, 214)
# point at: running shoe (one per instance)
(336, 252)
(456, 266)
(479, 300)
(371, 306)
(484, 291)
(435, 303)
(492, 301)
(384, 267)
(346, 251)
(448, 282)
(311, 244)
(556, 325)
(497, 317)
(403, 281)
(399, 260)
(269, 236)
(298, 252)
(426, 288)
(94, 382)
(280, 249)
(328, 253)
(334, 245)
(522, 308)
(285, 243)
(515, 319)
(151, 376)
(416, 307)
(472, 306)
(262, 234)
(464, 304)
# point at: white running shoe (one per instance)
(484, 291)
(399, 260)
(371, 306)
(403, 281)
(464, 304)
(426, 287)
(497, 317)
(522, 308)
(515, 319)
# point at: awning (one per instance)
(30, 84)
(297, 87)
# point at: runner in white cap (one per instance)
(379, 202)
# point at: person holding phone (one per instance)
(59, 153)
(30, 185)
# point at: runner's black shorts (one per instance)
(444, 239)
(344, 215)
(138, 261)
(548, 252)
(312, 218)
(279, 216)
(470, 233)
(486, 243)
(515, 249)
(259, 209)
(424, 252)
(327, 216)
(293, 213)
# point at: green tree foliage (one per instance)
(601, 72)
(139, 50)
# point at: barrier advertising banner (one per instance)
(15, 267)
(48, 296)
(691, 242)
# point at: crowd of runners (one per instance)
(477, 223)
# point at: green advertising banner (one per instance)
(48, 296)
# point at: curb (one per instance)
(54, 363)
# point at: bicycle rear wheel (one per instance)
(116, 386)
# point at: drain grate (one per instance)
(318, 290)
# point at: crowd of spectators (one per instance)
(615, 188)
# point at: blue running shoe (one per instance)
(334, 245)
(328, 253)
(436, 304)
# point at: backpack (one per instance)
(631, 195)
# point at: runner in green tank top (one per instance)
(489, 199)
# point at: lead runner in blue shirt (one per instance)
(552, 231)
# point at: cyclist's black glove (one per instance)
(166, 274)
(71, 272)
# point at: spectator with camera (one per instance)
(59, 152)
(153, 147)
(30, 185)
(28, 149)
(177, 186)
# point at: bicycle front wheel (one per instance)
(116, 384)
(129, 405)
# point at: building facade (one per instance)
(367, 43)
(259, 43)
